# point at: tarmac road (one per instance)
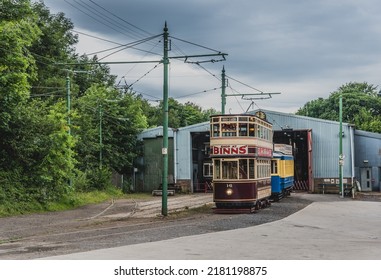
(328, 229)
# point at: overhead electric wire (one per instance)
(233, 90)
(136, 64)
(194, 44)
(196, 93)
(123, 20)
(95, 16)
(105, 17)
(126, 46)
(113, 42)
(210, 73)
(149, 71)
(244, 84)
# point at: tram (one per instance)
(282, 171)
(241, 150)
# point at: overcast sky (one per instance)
(301, 48)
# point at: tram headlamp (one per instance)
(229, 191)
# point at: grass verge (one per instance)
(72, 201)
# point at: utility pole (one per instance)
(165, 61)
(100, 136)
(164, 208)
(223, 94)
(68, 105)
(223, 87)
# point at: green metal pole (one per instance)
(68, 105)
(164, 209)
(341, 157)
(223, 95)
(100, 137)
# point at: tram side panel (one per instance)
(241, 194)
(282, 176)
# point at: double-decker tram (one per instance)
(241, 150)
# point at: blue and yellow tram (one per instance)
(282, 175)
(241, 150)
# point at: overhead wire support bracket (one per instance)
(200, 55)
(254, 94)
(110, 62)
(244, 96)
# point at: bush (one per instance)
(98, 179)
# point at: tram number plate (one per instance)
(264, 193)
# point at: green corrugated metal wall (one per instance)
(153, 163)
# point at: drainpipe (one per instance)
(175, 154)
(352, 136)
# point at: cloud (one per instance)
(305, 49)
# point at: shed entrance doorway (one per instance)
(301, 141)
(366, 179)
(201, 162)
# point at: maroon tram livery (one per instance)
(241, 150)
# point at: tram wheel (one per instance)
(258, 205)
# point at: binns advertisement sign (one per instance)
(230, 150)
(234, 150)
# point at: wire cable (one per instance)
(123, 20)
(244, 84)
(113, 42)
(196, 93)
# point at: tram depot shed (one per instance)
(315, 146)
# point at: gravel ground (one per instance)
(125, 222)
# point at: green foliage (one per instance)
(55, 44)
(107, 126)
(38, 157)
(41, 151)
(69, 201)
(17, 33)
(361, 106)
(179, 114)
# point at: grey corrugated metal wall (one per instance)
(368, 155)
(325, 145)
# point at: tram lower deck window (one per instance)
(229, 170)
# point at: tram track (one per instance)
(119, 222)
(72, 231)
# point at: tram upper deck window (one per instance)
(228, 119)
(215, 127)
(243, 129)
(229, 129)
(252, 129)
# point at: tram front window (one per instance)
(243, 169)
(217, 169)
(229, 170)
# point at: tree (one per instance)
(18, 31)
(361, 106)
(55, 44)
(116, 119)
(36, 158)
(179, 114)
